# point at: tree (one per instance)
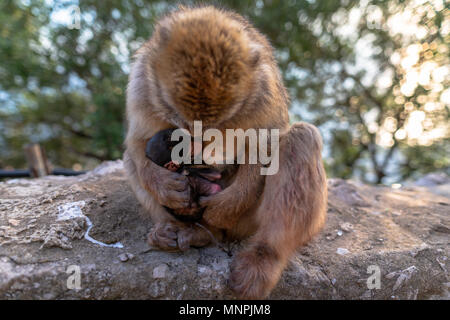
(373, 75)
(64, 86)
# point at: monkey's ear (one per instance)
(164, 29)
(164, 34)
(255, 54)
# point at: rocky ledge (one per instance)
(84, 238)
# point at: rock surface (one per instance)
(400, 234)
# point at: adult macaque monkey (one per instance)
(211, 65)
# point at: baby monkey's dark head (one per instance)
(159, 147)
(204, 67)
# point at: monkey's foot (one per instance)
(252, 274)
(177, 237)
(193, 236)
(164, 236)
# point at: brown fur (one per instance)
(212, 65)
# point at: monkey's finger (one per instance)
(167, 244)
(184, 242)
(171, 230)
(175, 176)
(157, 240)
(179, 185)
(176, 205)
(169, 235)
(171, 244)
(179, 200)
(179, 177)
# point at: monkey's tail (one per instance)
(227, 250)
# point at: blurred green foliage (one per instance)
(363, 71)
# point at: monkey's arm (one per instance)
(224, 209)
(168, 188)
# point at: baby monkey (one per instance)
(201, 178)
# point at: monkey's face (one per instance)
(205, 69)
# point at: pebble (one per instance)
(160, 271)
(157, 289)
(347, 227)
(124, 257)
(330, 236)
(14, 222)
(342, 251)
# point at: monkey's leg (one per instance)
(225, 208)
(292, 210)
(167, 233)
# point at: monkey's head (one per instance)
(204, 67)
(159, 147)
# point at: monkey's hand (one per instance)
(170, 189)
(224, 208)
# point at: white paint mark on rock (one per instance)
(73, 210)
